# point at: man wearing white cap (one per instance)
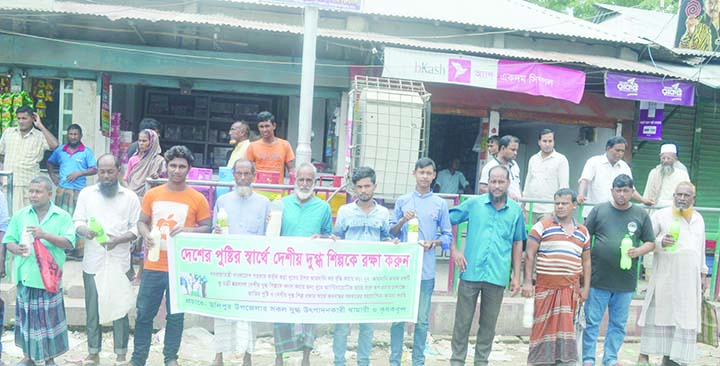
(663, 180)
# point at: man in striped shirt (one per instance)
(562, 248)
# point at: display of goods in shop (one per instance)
(9, 103)
(43, 91)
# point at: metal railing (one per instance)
(9, 189)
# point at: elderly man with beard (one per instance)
(246, 214)
(304, 215)
(665, 177)
(671, 315)
(496, 230)
(117, 209)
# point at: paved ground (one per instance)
(507, 351)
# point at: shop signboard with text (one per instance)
(515, 76)
(294, 280)
(649, 88)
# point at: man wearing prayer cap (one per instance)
(663, 180)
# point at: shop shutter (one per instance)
(707, 177)
(678, 128)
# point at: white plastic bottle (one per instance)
(275, 222)
(413, 230)
(154, 252)
(26, 240)
(528, 312)
(222, 221)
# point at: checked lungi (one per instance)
(40, 324)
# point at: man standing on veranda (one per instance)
(496, 230)
(40, 322)
(548, 171)
(304, 215)
(21, 149)
(362, 220)
(434, 230)
(612, 287)
(240, 137)
(452, 180)
(246, 214)
(270, 153)
(597, 176)
(117, 209)
(171, 208)
(75, 161)
(563, 255)
(671, 314)
(508, 150)
(665, 177)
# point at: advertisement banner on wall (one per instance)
(649, 88)
(294, 280)
(515, 76)
(650, 121)
(696, 25)
(105, 104)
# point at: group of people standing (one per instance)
(563, 266)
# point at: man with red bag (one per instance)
(38, 235)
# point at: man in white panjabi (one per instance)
(665, 177)
(246, 214)
(671, 314)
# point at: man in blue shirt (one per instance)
(435, 230)
(75, 161)
(496, 230)
(303, 215)
(363, 220)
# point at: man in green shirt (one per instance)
(40, 324)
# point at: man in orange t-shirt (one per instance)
(270, 153)
(172, 208)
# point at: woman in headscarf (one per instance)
(147, 162)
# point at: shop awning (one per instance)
(115, 13)
(708, 75)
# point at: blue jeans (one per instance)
(364, 343)
(153, 285)
(618, 305)
(421, 328)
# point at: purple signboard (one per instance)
(650, 121)
(540, 79)
(649, 88)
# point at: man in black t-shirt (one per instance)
(612, 287)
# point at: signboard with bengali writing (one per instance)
(515, 76)
(105, 105)
(294, 280)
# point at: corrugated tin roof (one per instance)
(658, 27)
(114, 12)
(705, 74)
(514, 15)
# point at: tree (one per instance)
(584, 9)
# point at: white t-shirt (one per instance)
(600, 175)
(545, 176)
(514, 176)
(449, 182)
(117, 215)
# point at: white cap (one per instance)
(668, 148)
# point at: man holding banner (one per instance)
(171, 208)
(434, 230)
(496, 230)
(362, 220)
(246, 213)
(304, 215)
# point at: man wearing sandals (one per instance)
(40, 322)
(117, 209)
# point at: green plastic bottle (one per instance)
(675, 233)
(96, 228)
(625, 245)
